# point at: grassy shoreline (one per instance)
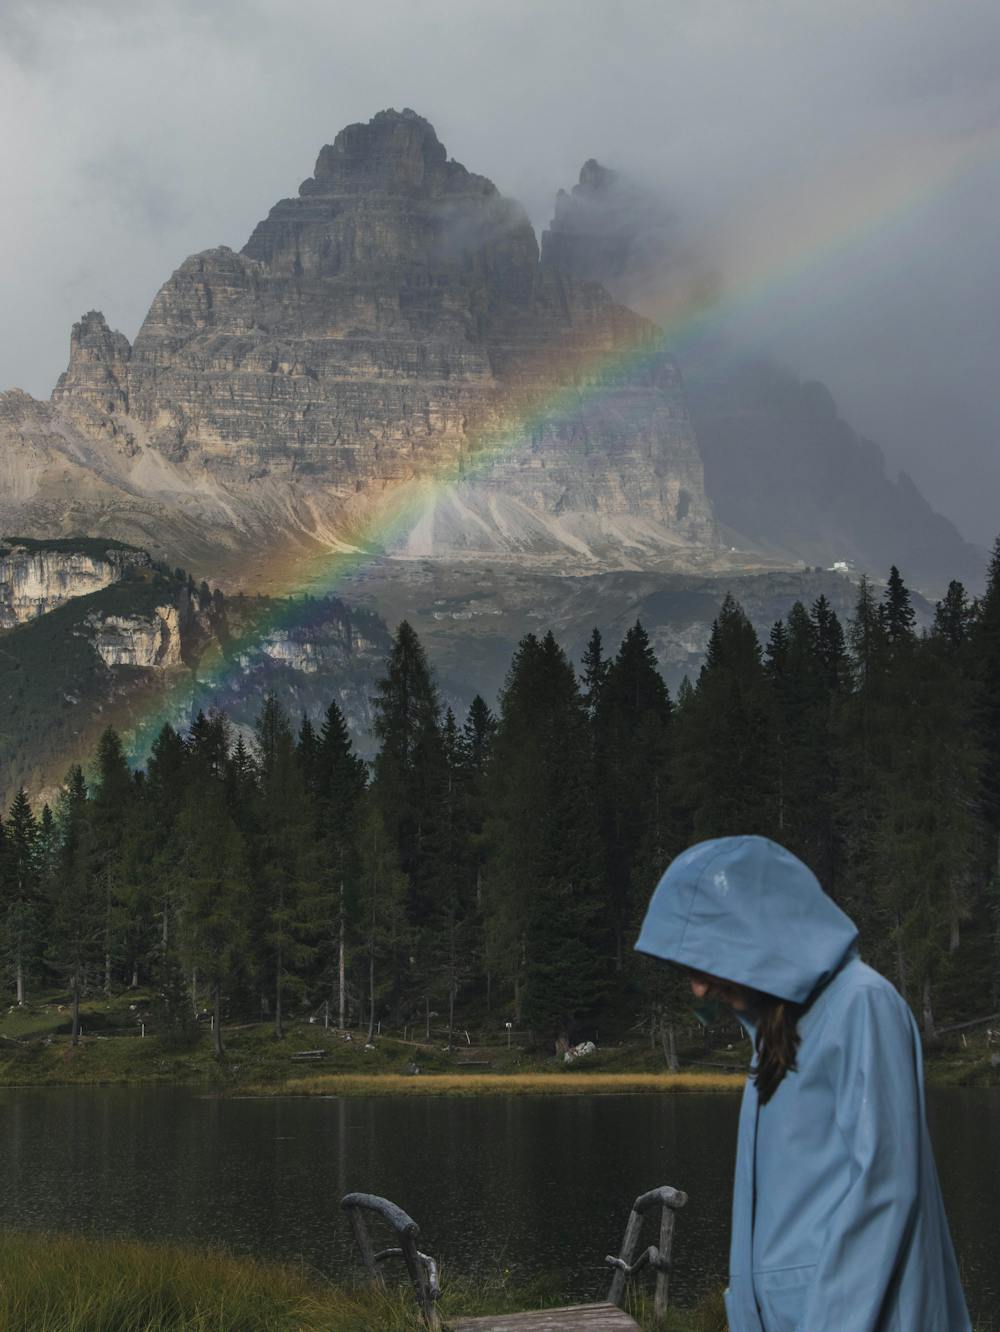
(497, 1084)
(68, 1283)
(314, 1061)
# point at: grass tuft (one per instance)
(61, 1283)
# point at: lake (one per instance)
(533, 1184)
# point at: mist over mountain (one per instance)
(786, 474)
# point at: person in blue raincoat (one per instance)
(838, 1223)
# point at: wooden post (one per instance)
(627, 1252)
(667, 1218)
(365, 1245)
(419, 1278)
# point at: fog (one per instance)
(832, 172)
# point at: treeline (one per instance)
(499, 866)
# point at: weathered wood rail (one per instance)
(606, 1317)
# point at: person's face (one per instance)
(705, 986)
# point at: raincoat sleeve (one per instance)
(876, 1067)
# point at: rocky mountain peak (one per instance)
(594, 178)
(396, 152)
(98, 366)
(610, 230)
(385, 196)
(375, 330)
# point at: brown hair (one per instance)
(777, 1042)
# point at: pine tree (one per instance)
(410, 778)
(899, 616)
(475, 754)
(167, 775)
(213, 889)
(111, 807)
(954, 617)
(306, 753)
(926, 844)
(287, 887)
(478, 734)
(986, 669)
(381, 910)
(208, 745)
(21, 890)
(454, 902)
(77, 909)
(545, 912)
(340, 778)
(861, 757)
(725, 775)
(595, 671)
(631, 726)
(801, 677)
(831, 646)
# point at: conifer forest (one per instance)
(494, 868)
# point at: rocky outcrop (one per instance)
(151, 641)
(389, 327)
(36, 578)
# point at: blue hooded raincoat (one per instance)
(838, 1223)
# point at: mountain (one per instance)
(388, 327)
(787, 476)
(147, 645)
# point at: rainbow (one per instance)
(865, 194)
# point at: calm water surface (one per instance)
(531, 1184)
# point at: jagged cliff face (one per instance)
(36, 579)
(152, 641)
(372, 334)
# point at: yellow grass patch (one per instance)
(498, 1084)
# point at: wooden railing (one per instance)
(424, 1274)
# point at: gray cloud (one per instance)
(137, 133)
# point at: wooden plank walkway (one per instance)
(590, 1317)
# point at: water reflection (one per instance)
(531, 1184)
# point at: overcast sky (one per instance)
(852, 149)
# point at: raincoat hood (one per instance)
(746, 910)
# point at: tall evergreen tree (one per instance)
(831, 646)
(411, 778)
(595, 671)
(339, 782)
(899, 616)
(77, 915)
(112, 803)
(288, 891)
(546, 916)
(20, 871)
(954, 617)
(214, 892)
(986, 668)
(727, 779)
(631, 725)
(801, 676)
(381, 911)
